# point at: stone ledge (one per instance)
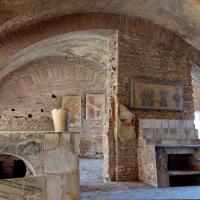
(166, 123)
(50, 132)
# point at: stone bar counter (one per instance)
(52, 159)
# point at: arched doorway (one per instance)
(12, 166)
(75, 64)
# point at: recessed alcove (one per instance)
(12, 167)
(184, 180)
(30, 115)
(182, 171)
(181, 162)
(53, 96)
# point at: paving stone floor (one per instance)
(91, 171)
(93, 188)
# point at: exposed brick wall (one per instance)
(145, 49)
(13, 41)
(141, 56)
(28, 91)
(153, 39)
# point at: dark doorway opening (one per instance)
(180, 161)
(184, 180)
(183, 170)
(19, 169)
(12, 167)
(1, 169)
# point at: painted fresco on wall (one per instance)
(156, 95)
(95, 106)
(73, 104)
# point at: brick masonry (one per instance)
(31, 94)
(141, 56)
(145, 49)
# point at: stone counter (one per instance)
(159, 138)
(54, 159)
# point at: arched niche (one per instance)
(13, 166)
(97, 48)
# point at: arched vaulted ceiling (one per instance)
(180, 16)
(93, 46)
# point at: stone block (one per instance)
(60, 160)
(77, 144)
(54, 187)
(70, 186)
(144, 123)
(32, 151)
(190, 124)
(173, 124)
(182, 133)
(158, 123)
(153, 123)
(28, 188)
(182, 124)
(149, 135)
(51, 141)
(165, 123)
(66, 141)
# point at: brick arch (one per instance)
(28, 165)
(91, 45)
(105, 57)
(25, 36)
(40, 75)
(22, 38)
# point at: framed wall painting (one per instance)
(154, 94)
(73, 104)
(95, 106)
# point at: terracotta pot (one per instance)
(59, 119)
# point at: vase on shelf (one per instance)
(59, 119)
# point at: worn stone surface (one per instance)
(196, 86)
(145, 193)
(126, 146)
(28, 146)
(60, 160)
(53, 158)
(156, 142)
(54, 188)
(91, 171)
(23, 188)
